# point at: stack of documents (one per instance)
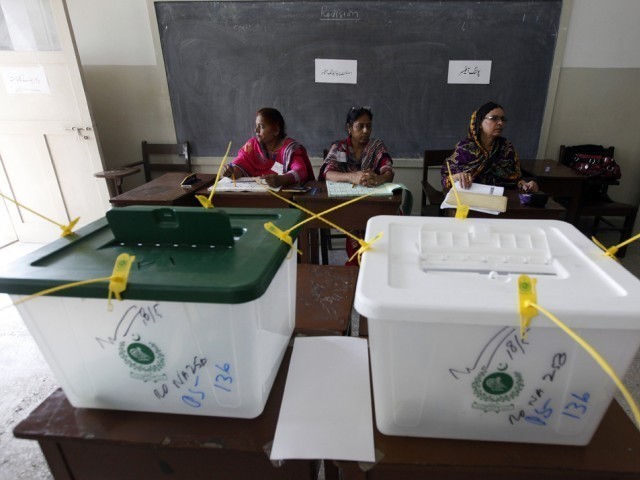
(479, 197)
(242, 184)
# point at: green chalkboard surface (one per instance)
(224, 60)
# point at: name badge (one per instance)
(341, 157)
(277, 168)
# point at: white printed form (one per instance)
(336, 71)
(326, 408)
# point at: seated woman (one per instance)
(271, 155)
(359, 159)
(485, 156)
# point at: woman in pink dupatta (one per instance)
(271, 155)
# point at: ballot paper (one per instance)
(479, 197)
(326, 407)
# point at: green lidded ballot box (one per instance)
(206, 316)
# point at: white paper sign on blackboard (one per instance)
(469, 71)
(336, 71)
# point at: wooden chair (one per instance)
(596, 202)
(150, 152)
(435, 197)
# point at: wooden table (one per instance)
(164, 190)
(351, 217)
(558, 180)
(551, 211)
(613, 453)
(324, 299)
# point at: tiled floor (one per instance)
(27, 380)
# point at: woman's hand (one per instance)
(465, 179)
(273, 180)
(367, 178)
(528, 187)
(227, 170)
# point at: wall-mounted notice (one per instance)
(25, 80)
(469, 71)
(336, 71)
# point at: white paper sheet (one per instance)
(326, 408)
(336, 71)
(469, 71)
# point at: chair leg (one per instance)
(325, 238)
(595, 225)
(627, 231)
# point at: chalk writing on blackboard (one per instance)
(339, 14)
(336, 71)
(469, 71)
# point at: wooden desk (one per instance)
(351, 217)
(324, 299)
(558, 180)
(97, 444)
(614, 453)
(164, 190)
(551, 211)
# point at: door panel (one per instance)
(49, 148)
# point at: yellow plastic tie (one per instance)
(596, 356)
(611, 251)
(462, 211)
(119, 277)
(526, 295)
(66, 229)
(319, 216)
(283, 235)
(365, 246)
(206, 201)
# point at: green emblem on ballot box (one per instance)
(496, 389)
(146, 360)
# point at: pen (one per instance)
(233, 176)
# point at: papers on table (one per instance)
(326, 408)
(242, 184)
(479, 197)
(345, 189)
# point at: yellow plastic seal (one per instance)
(526, 295)
(119, 277)
(283, 235)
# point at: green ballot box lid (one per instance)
(185, 254)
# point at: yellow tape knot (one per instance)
(283, 235)
(609, 252)
(526, 296)
(204, 201)
(119, 277)
(462, 211)
(68, 229)
(364, 246)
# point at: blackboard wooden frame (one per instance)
(226, 59)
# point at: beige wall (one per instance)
(596, 100)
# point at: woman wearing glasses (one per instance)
(485, 156)
(359, 159)
(270, 154)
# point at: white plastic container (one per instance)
(155, 353)
(447, 360)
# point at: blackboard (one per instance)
(224, 60)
